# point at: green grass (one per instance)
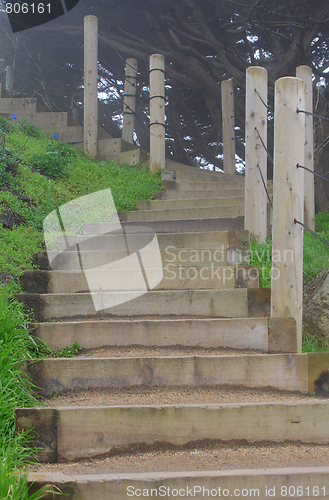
(38, 174)
(316, 253)
(313, 345)
(15, 391)
(33, 184)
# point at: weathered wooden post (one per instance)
(288, 202)
(228, 126)
(255, 218)
(76, 115)
(90, 85)
(157, 112)
(129, 103)
(305, 74)
(9, 78)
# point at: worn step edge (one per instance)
(67, 434)
(273, 335)
(283, 372)
(270, 483)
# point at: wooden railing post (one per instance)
(255, 219)
(157, 112)
(129, 103)
(228, 126)
(305, 74)
(90, 85)
(288, 202)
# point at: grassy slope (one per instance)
(27, 195)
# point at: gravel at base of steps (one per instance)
(142, 395)
(209, 456)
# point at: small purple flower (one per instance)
(14, 117)
(55, 135)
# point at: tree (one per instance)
(204, 42)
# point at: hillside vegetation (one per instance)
(38, 174)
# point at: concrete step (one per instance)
(202, 193)
(109, 147)
(273, 335)
(263, 483)
(175, 277)
(235, 239)
(182, 213)
(207, 185)
(217, 225)
(283, 372)
(236, 303)
(170, 256)
(19, 105)
(72, 433)
(192, 203)
(192, 174)
(193, 225)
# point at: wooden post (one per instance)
(76, 115)
(288, 202)
(9, 78)
(129, 104)
(255, 218)
(228, 126)
(305, 74)
(157, 112)
(90, 85)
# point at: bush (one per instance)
(56, 160)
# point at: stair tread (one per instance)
(158, 351)
(177, 397)
(196, 461)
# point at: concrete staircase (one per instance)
(207, 329)
(192, 366)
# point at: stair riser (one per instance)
(252, 483)
(185, 277)
(205, 176)
(19, 106)
(169, 204)
(185, 257)
(203, 194)
(49, 122)
(195, 186)
(193, 226)
(199, 303)
(84, 432)
(264, 334)
(280, 372)
(184, 226)
(183, 213)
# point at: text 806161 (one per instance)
(27, 8)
